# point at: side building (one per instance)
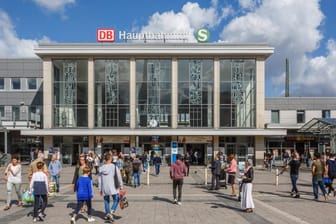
(144, 97)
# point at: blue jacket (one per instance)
(84, 188)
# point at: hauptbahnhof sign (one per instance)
(110, 35)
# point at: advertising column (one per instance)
(174, 149)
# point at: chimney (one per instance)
(287, 79)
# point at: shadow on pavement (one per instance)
(156, 198)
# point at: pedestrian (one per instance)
(145, 160)
(84, 191)
(137, 168)
(128, 171)
(96, 163)
(307, 157)
(318, 169)
(55, 168)
(187, 161)
(177, 173)
(331, 172)
(294, 166)
(79, 170)
(33, 166)
(216, 172)
(246, 202)
(109, 184)
(39, 185)
(13, 175)
(157, 163)
(232, 170)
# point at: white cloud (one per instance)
(292, 27)
(191, 18)
(10, 44)
(54, 5)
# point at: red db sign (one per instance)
(105, 35)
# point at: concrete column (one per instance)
(133, 112)
(215, 145)
(174, 96)
(48, 78)
(259, 150)
(47, 142)
(216, 94)
(91, 94)
(91, 142)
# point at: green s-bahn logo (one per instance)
(202, 35)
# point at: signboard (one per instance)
(174, 150)
(195, 139)
(105, 35)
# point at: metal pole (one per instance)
(148, 169)
(277, 177)
(206, 176)
(5, 139)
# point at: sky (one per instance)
(300, 30)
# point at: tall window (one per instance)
(325, 113)
(300, 116)
(2, 112)
(70, 100)
(153, 92)
(31, 83)
(275, 116)
(16, 83)
(237, 93)
(195, 92)
(112, 81)
(2, 83)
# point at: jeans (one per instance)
(115, 198)
(17, 190)
(55, 178)
(177, 184)
(294, 179)
(80, 204)
(37, 203)
(215, 181)
(318, 182)
(136, 175)
(157, 169)
(330, 186)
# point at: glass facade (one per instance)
(195, 92)
(112, 95)
(70, 99)
(153, 93)
(238, 93)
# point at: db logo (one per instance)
(105, 35)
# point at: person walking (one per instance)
(84, 191)
(216, 172)
(157, 163)
(55, 168)
(331, 172)
(39, 185)
(33, 166)
(137, 168)
(128, 171)
(318, 169)
(177, 173)
(187, 161)
(294, 166)
(96, 163)
(109, 184)
(232, 170)
(246, 202)
(13, 175)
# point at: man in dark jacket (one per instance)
(294, 166)
(216, 172)
(177, 173)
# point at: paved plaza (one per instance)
(153, 203)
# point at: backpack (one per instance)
(331, 168)
(136, 167)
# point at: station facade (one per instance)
(205, 97)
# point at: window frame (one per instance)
(12, 86)
(300, 113)
(278, 116)
(27, 81)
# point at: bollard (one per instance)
(206, 176)
(148, 171)
(277, 177)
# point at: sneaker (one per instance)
(34, 219)
(6, 208)
(175, 201)
(73, 220)
(179, 203)
(90, 219)
(297, 196)
(326, 198)
(108, 217)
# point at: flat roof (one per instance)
(149, 49)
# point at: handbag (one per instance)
(123, 202)
(116, 180)
(28, 198)
(326, 180)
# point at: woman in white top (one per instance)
(13, 172)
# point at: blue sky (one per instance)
(301, 30)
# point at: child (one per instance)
(39, 185)
(84, 194)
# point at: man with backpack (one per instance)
(137, 167)
(331, 170)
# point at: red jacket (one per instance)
(177, 170)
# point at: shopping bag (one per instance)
(28, 198)
(52, 188)
(123, 202)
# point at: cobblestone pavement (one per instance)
(153, 203)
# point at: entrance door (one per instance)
(238, 150)
(197, 152)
